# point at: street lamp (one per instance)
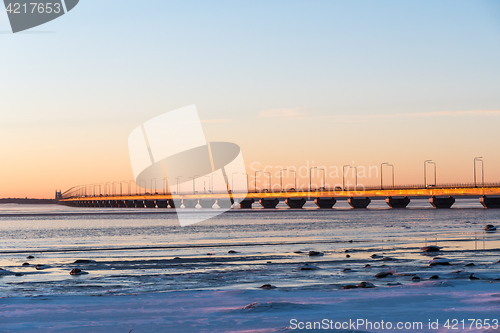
(232, 180)
(178, 184)
(381, 174)
(115, 188)
(255, 179)
(343, 176)
(281, 179)
(121, 187)
(425, 172)
(478, 159)
(145, 185)
(152, 186)
(310, 176)
(270, 187)
(194, 184)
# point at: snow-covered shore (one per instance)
(274, 310)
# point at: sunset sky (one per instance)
(317, 83)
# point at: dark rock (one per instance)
(176, 258)
(18, 274)
(40, 267)
(347, 256)
(250, 306)
(267, 286)
(350, 241)
(346, 251)
(383, 274)
(375, 256)
(415, 278)
(26, 264)
(231, 251)
(434, 277)
(346, 270)
(315, 253)
(439, 262)
(430, 248)
(298, 252)
(349, 286)
(268, 262)
(472, 277)
(470, 264)
(77, 271)
(490, 227)
(368, 266)
(30, 257)
(366, 284)
(308, 267)
(83, 261)
(394, 284)
(387, 259)
(210, 254)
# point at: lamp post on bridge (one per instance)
(310, 177)
(177, 178)
(281, 179)
(121, 187)
(194, 184)
(425, 172)
(145, 185)
(343, 176)
(381, 174)
(114, 188)
(479, 159)
(232, 180)
(153, 179)
(255, 188)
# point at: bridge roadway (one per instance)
(395, 198)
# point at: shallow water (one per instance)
(143, 250)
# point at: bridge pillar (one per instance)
(359, 202)
(225, 202)
(162, 203)
(269, 203)
(113, 203)
(189, 203)
(442, 202)
(138, 203)
(489, 202)
(129, 203)
(397, 202)
(150, 203)
(295, 202)
(325, 203)
(107, 203)
(207, 203)
(247, 203)
(171, 203)
(121, 203)
(100, 203)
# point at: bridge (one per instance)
(439, 195)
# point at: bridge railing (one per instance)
(117, 189)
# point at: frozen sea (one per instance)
(144, 254)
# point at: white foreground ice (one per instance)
(272, 311)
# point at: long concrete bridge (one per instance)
(440, 196)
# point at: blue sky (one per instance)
(259, 72)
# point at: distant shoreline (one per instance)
(27, 201)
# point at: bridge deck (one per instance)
(371, 193)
